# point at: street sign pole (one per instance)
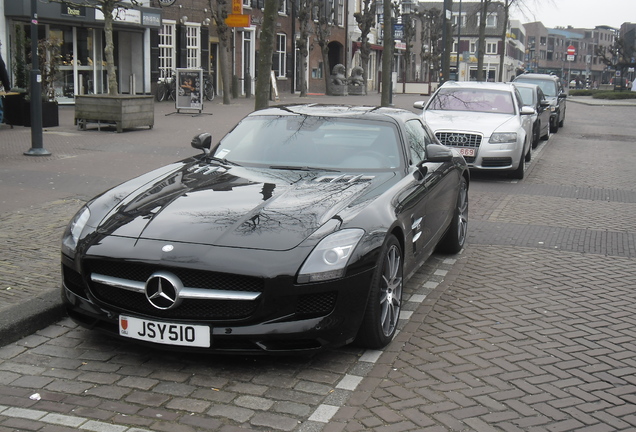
(37, 148)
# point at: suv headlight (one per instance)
(503, 137)
(329, 258)
(74, 230)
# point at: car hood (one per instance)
(208, 204)
(467, 121)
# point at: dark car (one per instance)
(532, 96)
(554, 92)
(296, 232)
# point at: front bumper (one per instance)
(286, 318)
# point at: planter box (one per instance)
(124, 111)
(17, 112)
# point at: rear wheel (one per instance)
(385, 298)
(208, 91)
(161, 92)
(454, 239)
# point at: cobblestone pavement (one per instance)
(530, 328)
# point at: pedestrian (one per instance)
(6, 83)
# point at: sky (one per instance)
(577, 13)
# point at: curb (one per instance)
(28, 317)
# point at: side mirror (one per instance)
(563, 95)
(438, 153)
(418, 105)
(545, 103)
(202, 141)
(526, 110)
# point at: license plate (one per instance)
(164, 333)
(467, 151)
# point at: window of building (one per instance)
(282, 7)
(340, 15)
(543, 40)
(473, 47)
(456, 19)
(280, 56)
(193, 45)
(491, 19)
(166, 49)
(317, 71)
(491, 47)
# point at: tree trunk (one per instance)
(504, 33)
(266, 50)
(109, 50)
(481, 50)
(324, 49)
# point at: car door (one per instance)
(433, 202)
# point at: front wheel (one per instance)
(385, 298)
(455, 238)
(209, 91)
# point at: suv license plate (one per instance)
(467, 151)
(164, 333)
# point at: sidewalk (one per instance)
(40, 194)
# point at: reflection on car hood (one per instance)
(468, 121)
(235, 206)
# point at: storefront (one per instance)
(78, 33)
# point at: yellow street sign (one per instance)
(237, 7)
(235, 20)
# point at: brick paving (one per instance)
(530, 328)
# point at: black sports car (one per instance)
(294, 233)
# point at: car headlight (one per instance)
(553, 108)
(503, 137)
(74, 230)
(329, 258)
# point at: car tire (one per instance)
(385, 298)
(535, 134)
(519, 173)
(562, 122)
(554, 126)
(455, 238)
(528, 156)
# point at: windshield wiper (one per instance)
(300, 168)
(222, 161)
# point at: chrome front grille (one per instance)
(458, 139)
(117, 284)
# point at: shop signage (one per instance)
(73, 11)
(234, 20)
(151, 19)
(189, 82)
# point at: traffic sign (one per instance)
(571, 50)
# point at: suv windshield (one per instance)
(548, 86)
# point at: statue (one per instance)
(338, 75)
(356, 81)
(339, 81)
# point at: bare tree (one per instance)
(430, 32)
(302, 43)
(322, 30)
(617, 56)
(110, 9)
(219, 10)
(366, 21)
(266, 49)
(481, 46)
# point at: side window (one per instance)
(418, 138)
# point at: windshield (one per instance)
(527, 95)
(479, 100)
(308, 142)
(547, 85)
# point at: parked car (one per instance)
(295, 232)
(486, 122)
(554, 92)
(532, 96)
